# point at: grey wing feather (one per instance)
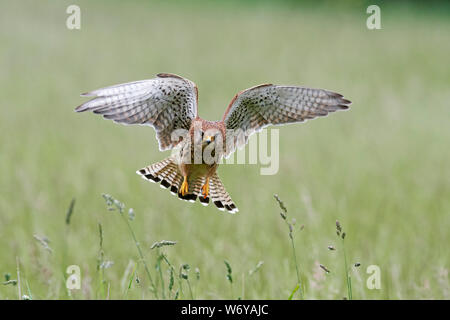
(257, 107)
(167, 102)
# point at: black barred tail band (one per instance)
(166, 173)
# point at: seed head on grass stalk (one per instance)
(8, 280)
(65, 250)
(229, 276)
(159, 271)
(251, 272)
(170, 270)
(197, 273)
(163, 243)
(300, 285)
(256, 268)
(229, 271)
(184, 274)
(13, 282)
(324, 268)
(44, 241)
(116, 205)
(341, 234)
(162, 257)
(171, 279)
(131, 214)
(129, 275)
(102, 264)
(70, 211)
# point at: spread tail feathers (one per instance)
(219, 196)
(167, 174)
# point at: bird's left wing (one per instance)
(255, 108)
(167, 102)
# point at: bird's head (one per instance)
(207, 139)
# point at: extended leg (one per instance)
(184, 186)
(205, 188)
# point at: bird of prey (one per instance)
(169, 102)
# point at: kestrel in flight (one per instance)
(168, 103)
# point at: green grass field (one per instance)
(382, 169)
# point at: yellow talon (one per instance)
(184, 187)
(205, 188)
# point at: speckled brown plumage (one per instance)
(169, 102)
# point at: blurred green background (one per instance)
(381, 169)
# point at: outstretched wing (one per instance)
(167, 102)
(267, 104)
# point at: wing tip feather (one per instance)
(81, 108)
(343, 107)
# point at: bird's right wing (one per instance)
(255, 108)
(167, 102)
